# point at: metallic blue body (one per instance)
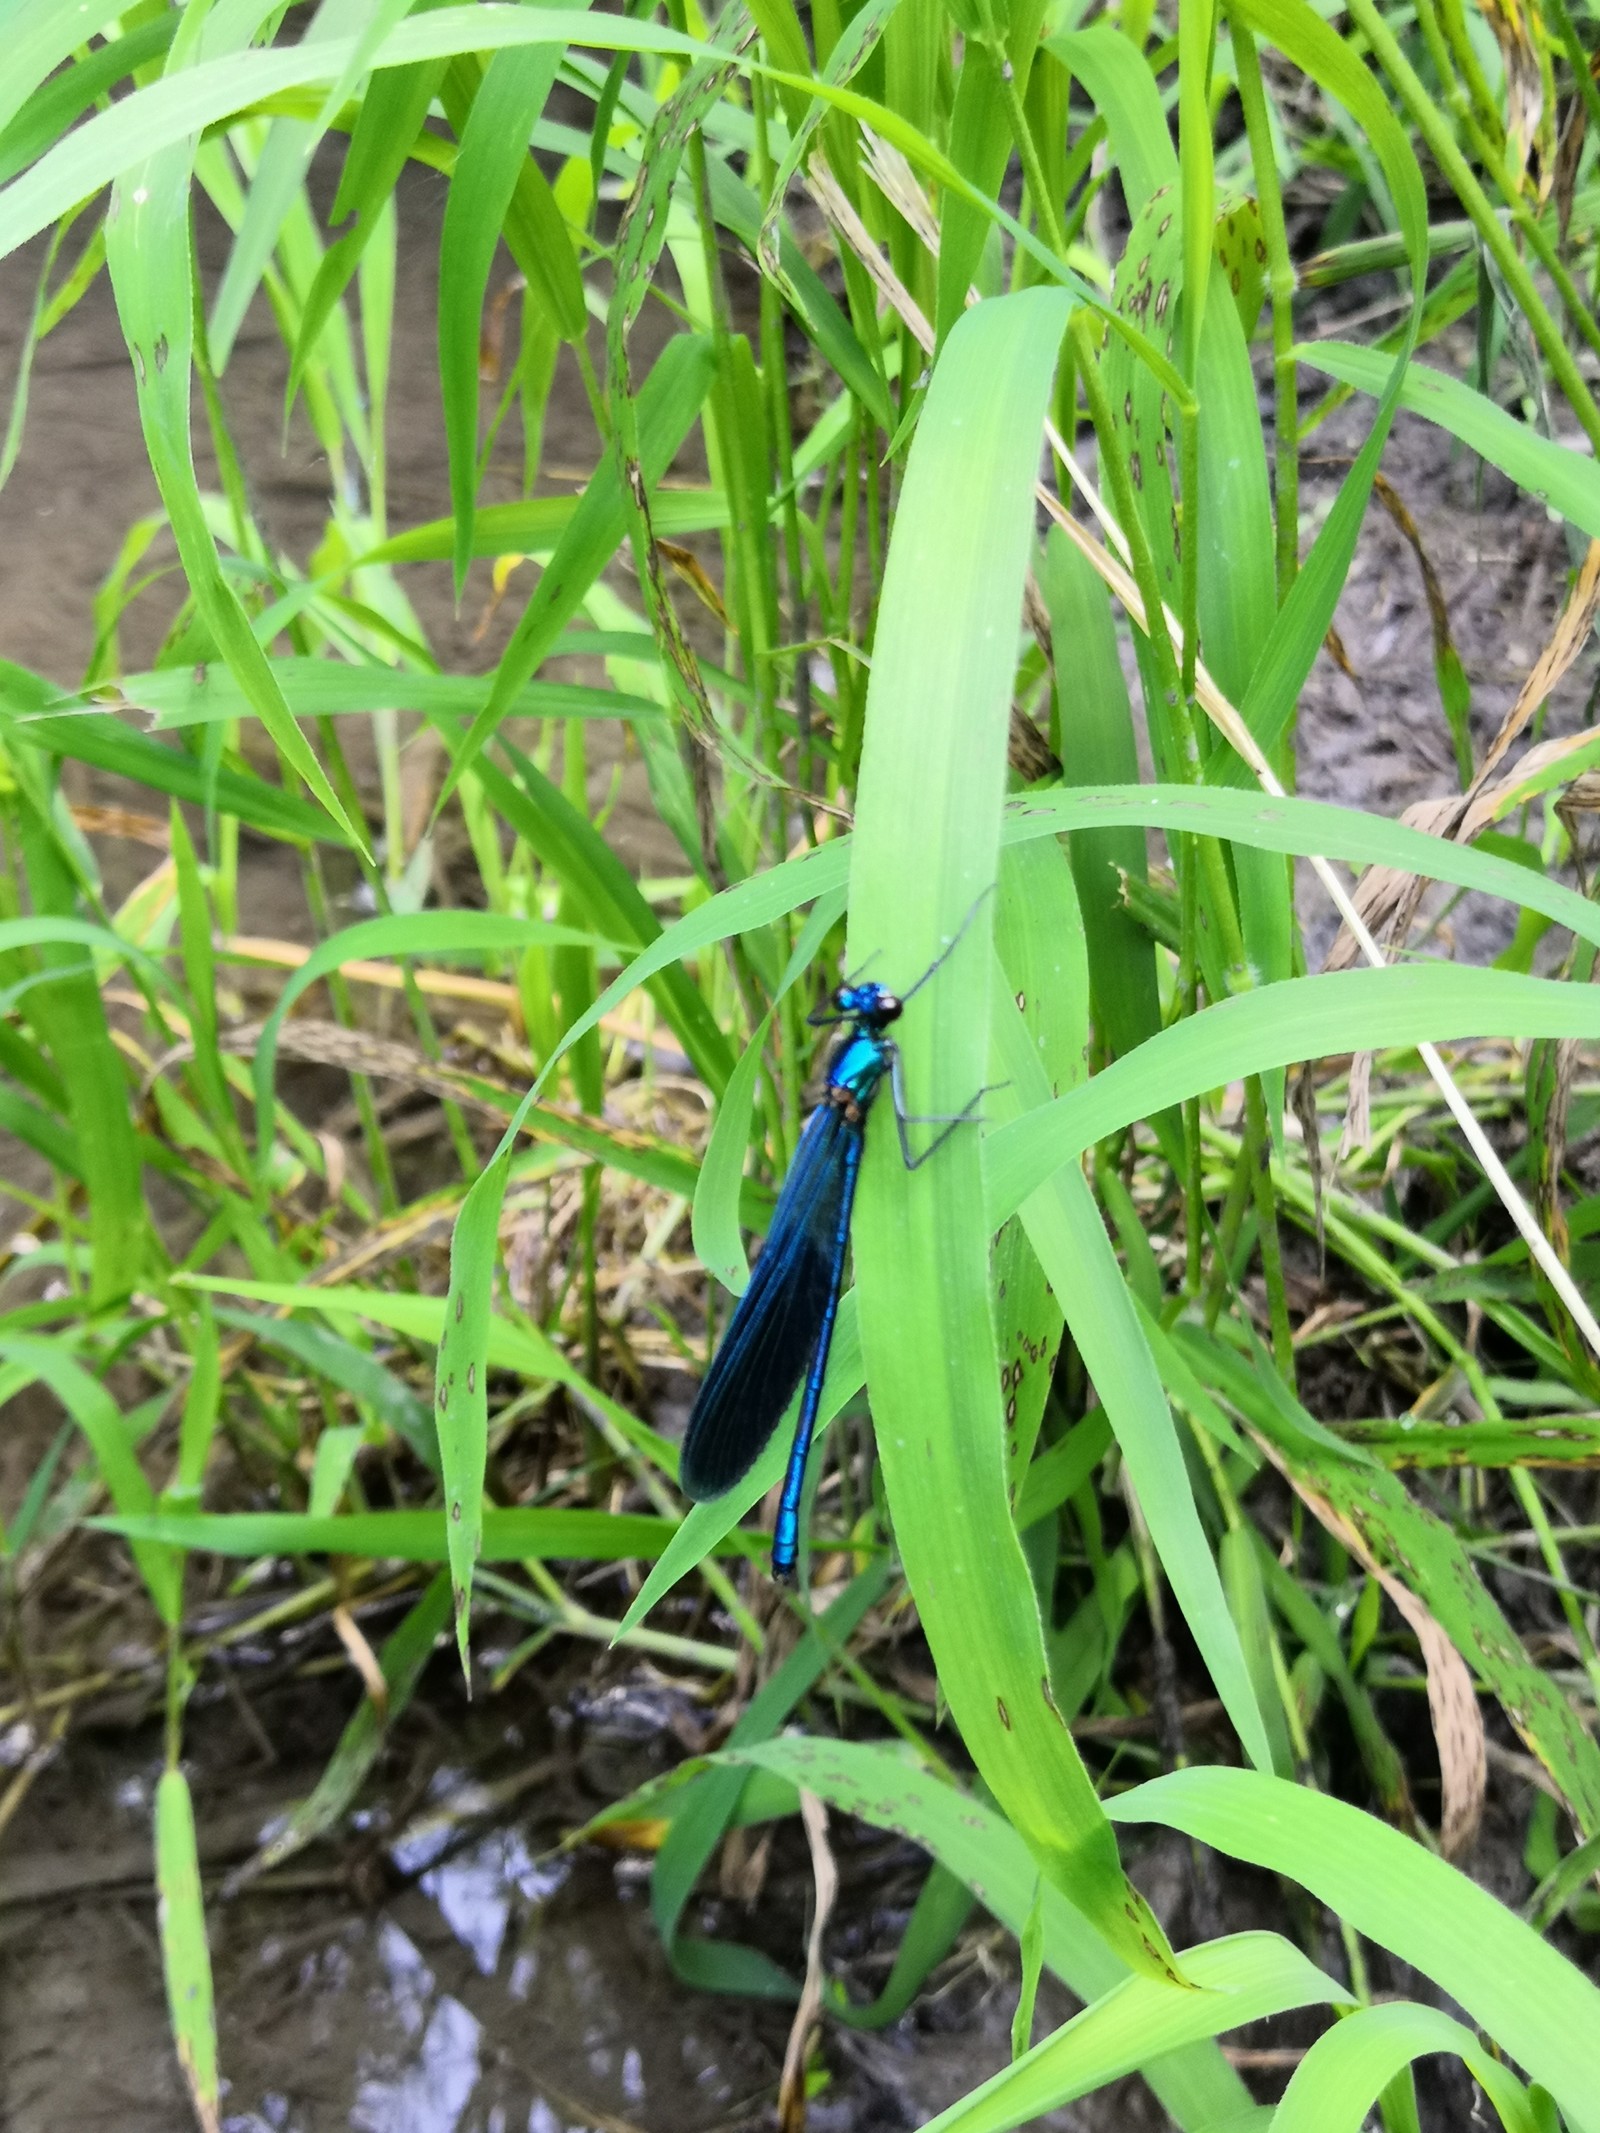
(782, 1326)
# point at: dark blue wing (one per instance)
(775, 1323)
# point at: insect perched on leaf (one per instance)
(782, 1326)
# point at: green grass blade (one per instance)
(405, 1652)
(149, 253)
(521, 1348)
(1422, 1549)
(442, 933)
(881, 1785)
(600, 885)
(37, 1130)
(1567, 480)
(1067, 1232)
(1244, 1978)
(185, 1957)
(537, 524)
(104, 742)
(715, 1225)
(668, 405)
(392, 114)
(374, 1388)
(703, 1813)
(1302, 622)
(68, 1016)
(1305, 827)
(1120, 82)
(200, 982)
(96, 1414)
(1040, 938)
(1303, 1018)
(412, 1536)
(287, 157)
(1098, 748)
(187, 103)
(331, 688)
(494, 147)
(38, 38)
(201, 1403)
(1530, 1999)
(928, 810)
(1343, 2075)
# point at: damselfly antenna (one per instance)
(950, 946)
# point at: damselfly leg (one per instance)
(948, 1119)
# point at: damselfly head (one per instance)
(872, 1004)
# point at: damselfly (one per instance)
(782, 1326)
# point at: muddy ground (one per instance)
(438, 1969)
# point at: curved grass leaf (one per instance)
(715, 1224)
(882, 1785)
(39, 38)
(1423, 1550)
(1302, 622)
(1119, 80)
(1302, 1018)
(149, 253)
(1303, 828)
(446, 933)
(352, 1370)
(200, 96)
(1531, 2000)
(1339, 2080)
(392, 113)
(602, 889)
(1276, 825)
(702, 1814)
(404, 1653)
(1567, 480)
(62, 1001)
(1244, 1978)
(521, 1348)
(104, 742)
(53, 107)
